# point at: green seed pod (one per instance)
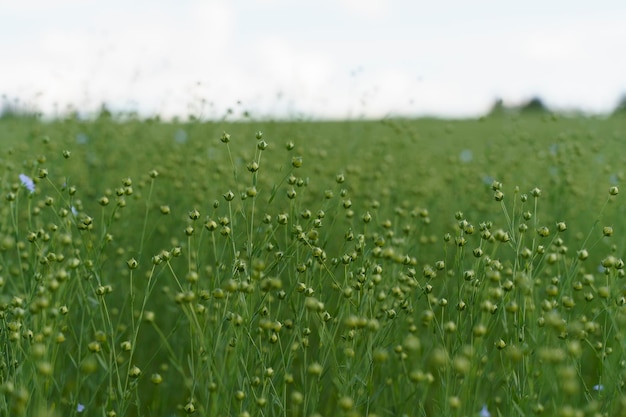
(604, 292)
(192, 277)
(148, 316)
(315, 369)
(568, 302)
(312, 303)
(449, 327)
(229, 196)
(454, 402)
(543, 231)
(297, 397)
(132, 263)
(253, 166)
(94, 347)
(461, 364)
(609, 262)
(194, 214)
(346, 403)
(296, 161)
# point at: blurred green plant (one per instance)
(399, 267)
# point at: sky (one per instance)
(311, 59)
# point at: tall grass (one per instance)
(398, 268)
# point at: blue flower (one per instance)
(484, 412)
(598, 387)
(80, 408)
(27, 182)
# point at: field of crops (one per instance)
(372, 268)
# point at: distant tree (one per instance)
(534, 105)
(104, 113)
(497, 108)
(620, 109)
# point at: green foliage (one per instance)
(400, 267)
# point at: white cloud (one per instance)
(393, 56)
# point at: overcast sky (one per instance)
(314, 59)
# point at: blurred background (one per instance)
(310, 60)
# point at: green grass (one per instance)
(388, 268)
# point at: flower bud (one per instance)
(229, 196)
(132, 263)
(296, 161)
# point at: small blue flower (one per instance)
(598, 387)
(27, 182)
(466, 155)
(488, 180)
(484, 412)
(80, 408)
